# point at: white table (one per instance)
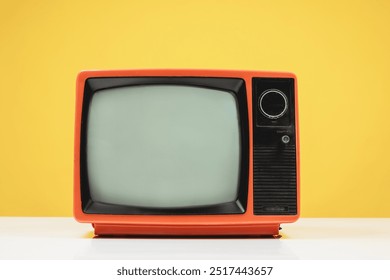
(64, 238)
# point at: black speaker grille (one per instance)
(274, 180)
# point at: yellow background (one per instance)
(338, 49)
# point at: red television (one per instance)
(186, 152)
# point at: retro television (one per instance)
(186, 152)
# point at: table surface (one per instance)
(320, 238)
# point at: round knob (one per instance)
(273, 103)
(285, 139)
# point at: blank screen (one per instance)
(163, 146)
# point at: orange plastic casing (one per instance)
(190, 225)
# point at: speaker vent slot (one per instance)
(274, 180)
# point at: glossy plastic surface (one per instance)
(228, 224)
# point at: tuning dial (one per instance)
(273, 103)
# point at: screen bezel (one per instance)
(236, 86)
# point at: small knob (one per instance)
(285, 139)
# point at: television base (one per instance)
(187, 230)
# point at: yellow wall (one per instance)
(340, 51)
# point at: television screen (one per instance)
(163, 146)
